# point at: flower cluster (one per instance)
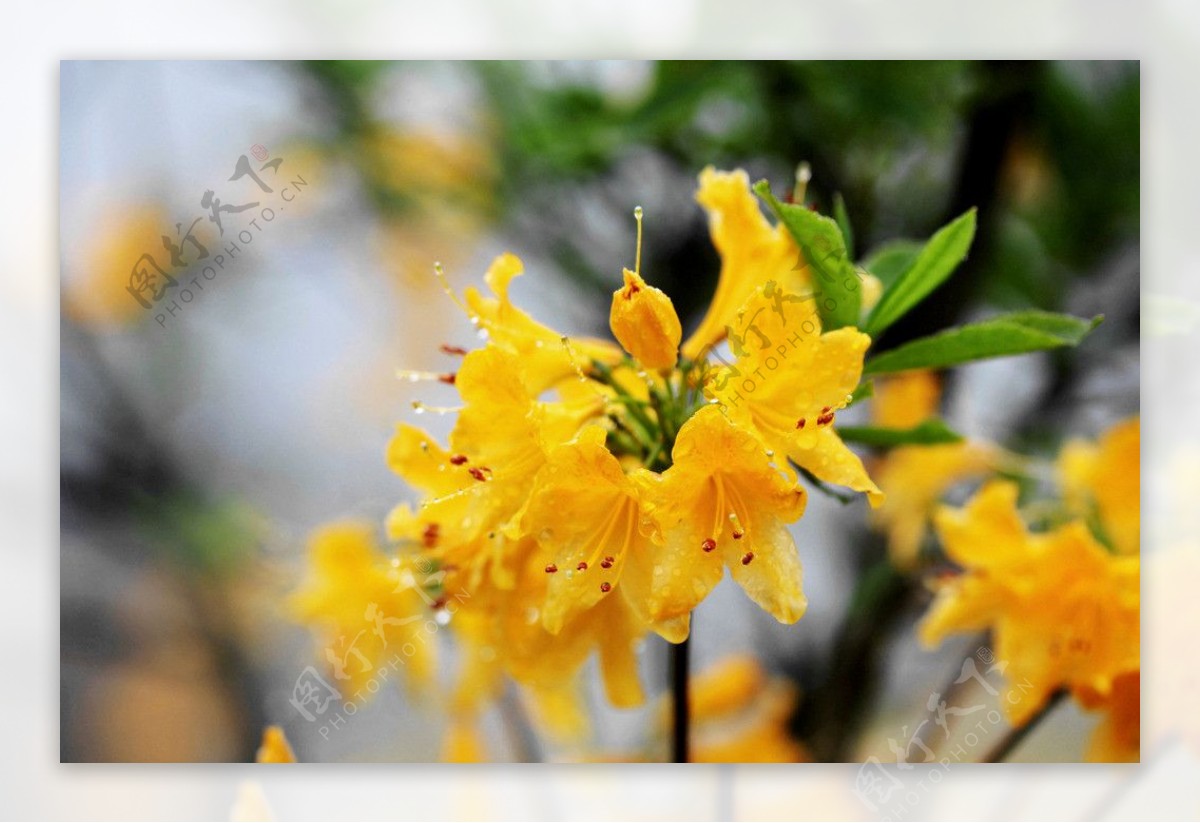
(593, 492)
(1062, 605)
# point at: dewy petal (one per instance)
(416, 456)
(542, 357)
(724, 503)
(583, 511)
(789, 382)
(752, 251)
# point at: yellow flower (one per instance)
(740, 714)
(365, 608)
(539, 350)
(644, 322)
(914, 478)
(590, 517)
(1105, 478)
(723, 504)
(463, 743)
(275, 747)
(753, 253)
(1063, 610)
(788, 383)
(586, 498)
(1118, 737)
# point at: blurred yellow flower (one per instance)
(99, 296)
(275, 747)
(1063, 611)
(914, 478)
(364, 608)
(1103, 479)
(740, 714)
(1117, 739)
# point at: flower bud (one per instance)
(644, 322)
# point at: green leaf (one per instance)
(843, 221)
(892, 259)
(1002, 336)
(937, 260)
(838, 290)
(926, 433)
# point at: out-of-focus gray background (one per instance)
(34, 787)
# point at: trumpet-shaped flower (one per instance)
(915, 478)
(1063, 610)
(1103, 480)
(364, 606)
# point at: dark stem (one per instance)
(1015, 737)
(679, 694)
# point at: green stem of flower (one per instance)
(1015, 737)
(680, 725)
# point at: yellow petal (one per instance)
(723, 503)
(1107, 475)
(905, 400)
(542, 358)
(643, 320)
(753, 252)
(788, 383)
(275, 747)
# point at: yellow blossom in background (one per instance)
(1118, 737)
(275, 747)
(740, 714)
(99, 296)
(1104, 478)
(1064, 612)
(915, 478)
(463, 742)
(363, 607)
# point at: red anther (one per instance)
(824, 419)
(448, 378)
(430, 536)
(826, 409)
(582, 567)
(606, 563)
(747, 557)
(551, 569)
(448, 349)
(440, 603)
(606, 587)
(458, 459)
(800, 423)
(480, 473)
(709, 544)
(738, 535)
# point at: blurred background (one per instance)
(200, 446)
